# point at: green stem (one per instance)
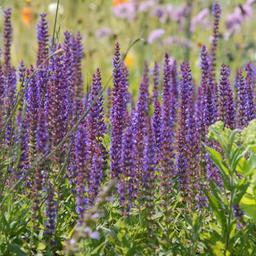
(230, 212)
(55, 23)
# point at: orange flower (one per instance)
(117, 2)
(27, 15)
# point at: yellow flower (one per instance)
(129, 60)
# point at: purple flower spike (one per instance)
(206, 112)
(21, 134)
(127, 177)
(95, 119)
(140, 118)
(81, 171)
(96, 173)
(2, 97)
(216, 11)
(22, 72)
(167, 150)
(125, 82)
(9, 100)
(42, 133)
(78, 54)
(185, 117)
(149, 164)
(250, 83)
(43, 41)
(56, 101)
(22, 141)
(36, 189)
(203, 110)
(117, 113)
(212, 100)
(174, 80)
(42, 61)
(7, 38)
(156, 80)
(226, 106)
(32, 110)
(193, 147)
(96, 128)
(109, 102)
(242, 101)
(157, 129)
(51, 212)
(69, 73)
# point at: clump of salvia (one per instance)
(60, 132)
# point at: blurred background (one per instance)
(149, 27)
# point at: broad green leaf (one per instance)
(217, 159)
(235, 157)
(248, 205)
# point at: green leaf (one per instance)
(99, 248)
(235, 157)
(248, 205)
(217, 208)
(241, 189)
(218, 161)
(231, 140)
(14, 249)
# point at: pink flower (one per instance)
(103, 32)
(155, 34)
(178, 41)
(160, 12)
(179, 13)
(125, 11)
(146, 5)
(202, 18)
(240, 14)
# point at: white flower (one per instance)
(52, 7)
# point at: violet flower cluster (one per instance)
(60, 132)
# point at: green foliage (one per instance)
(235, 159)
(224, 226)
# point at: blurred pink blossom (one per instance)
(178, 41)
(103, 32)
(125, 10)
(155, 34)
(146, 5)
(239, 15)
(160, 12)
(202, 18)
(179, 13)
(250, 2)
